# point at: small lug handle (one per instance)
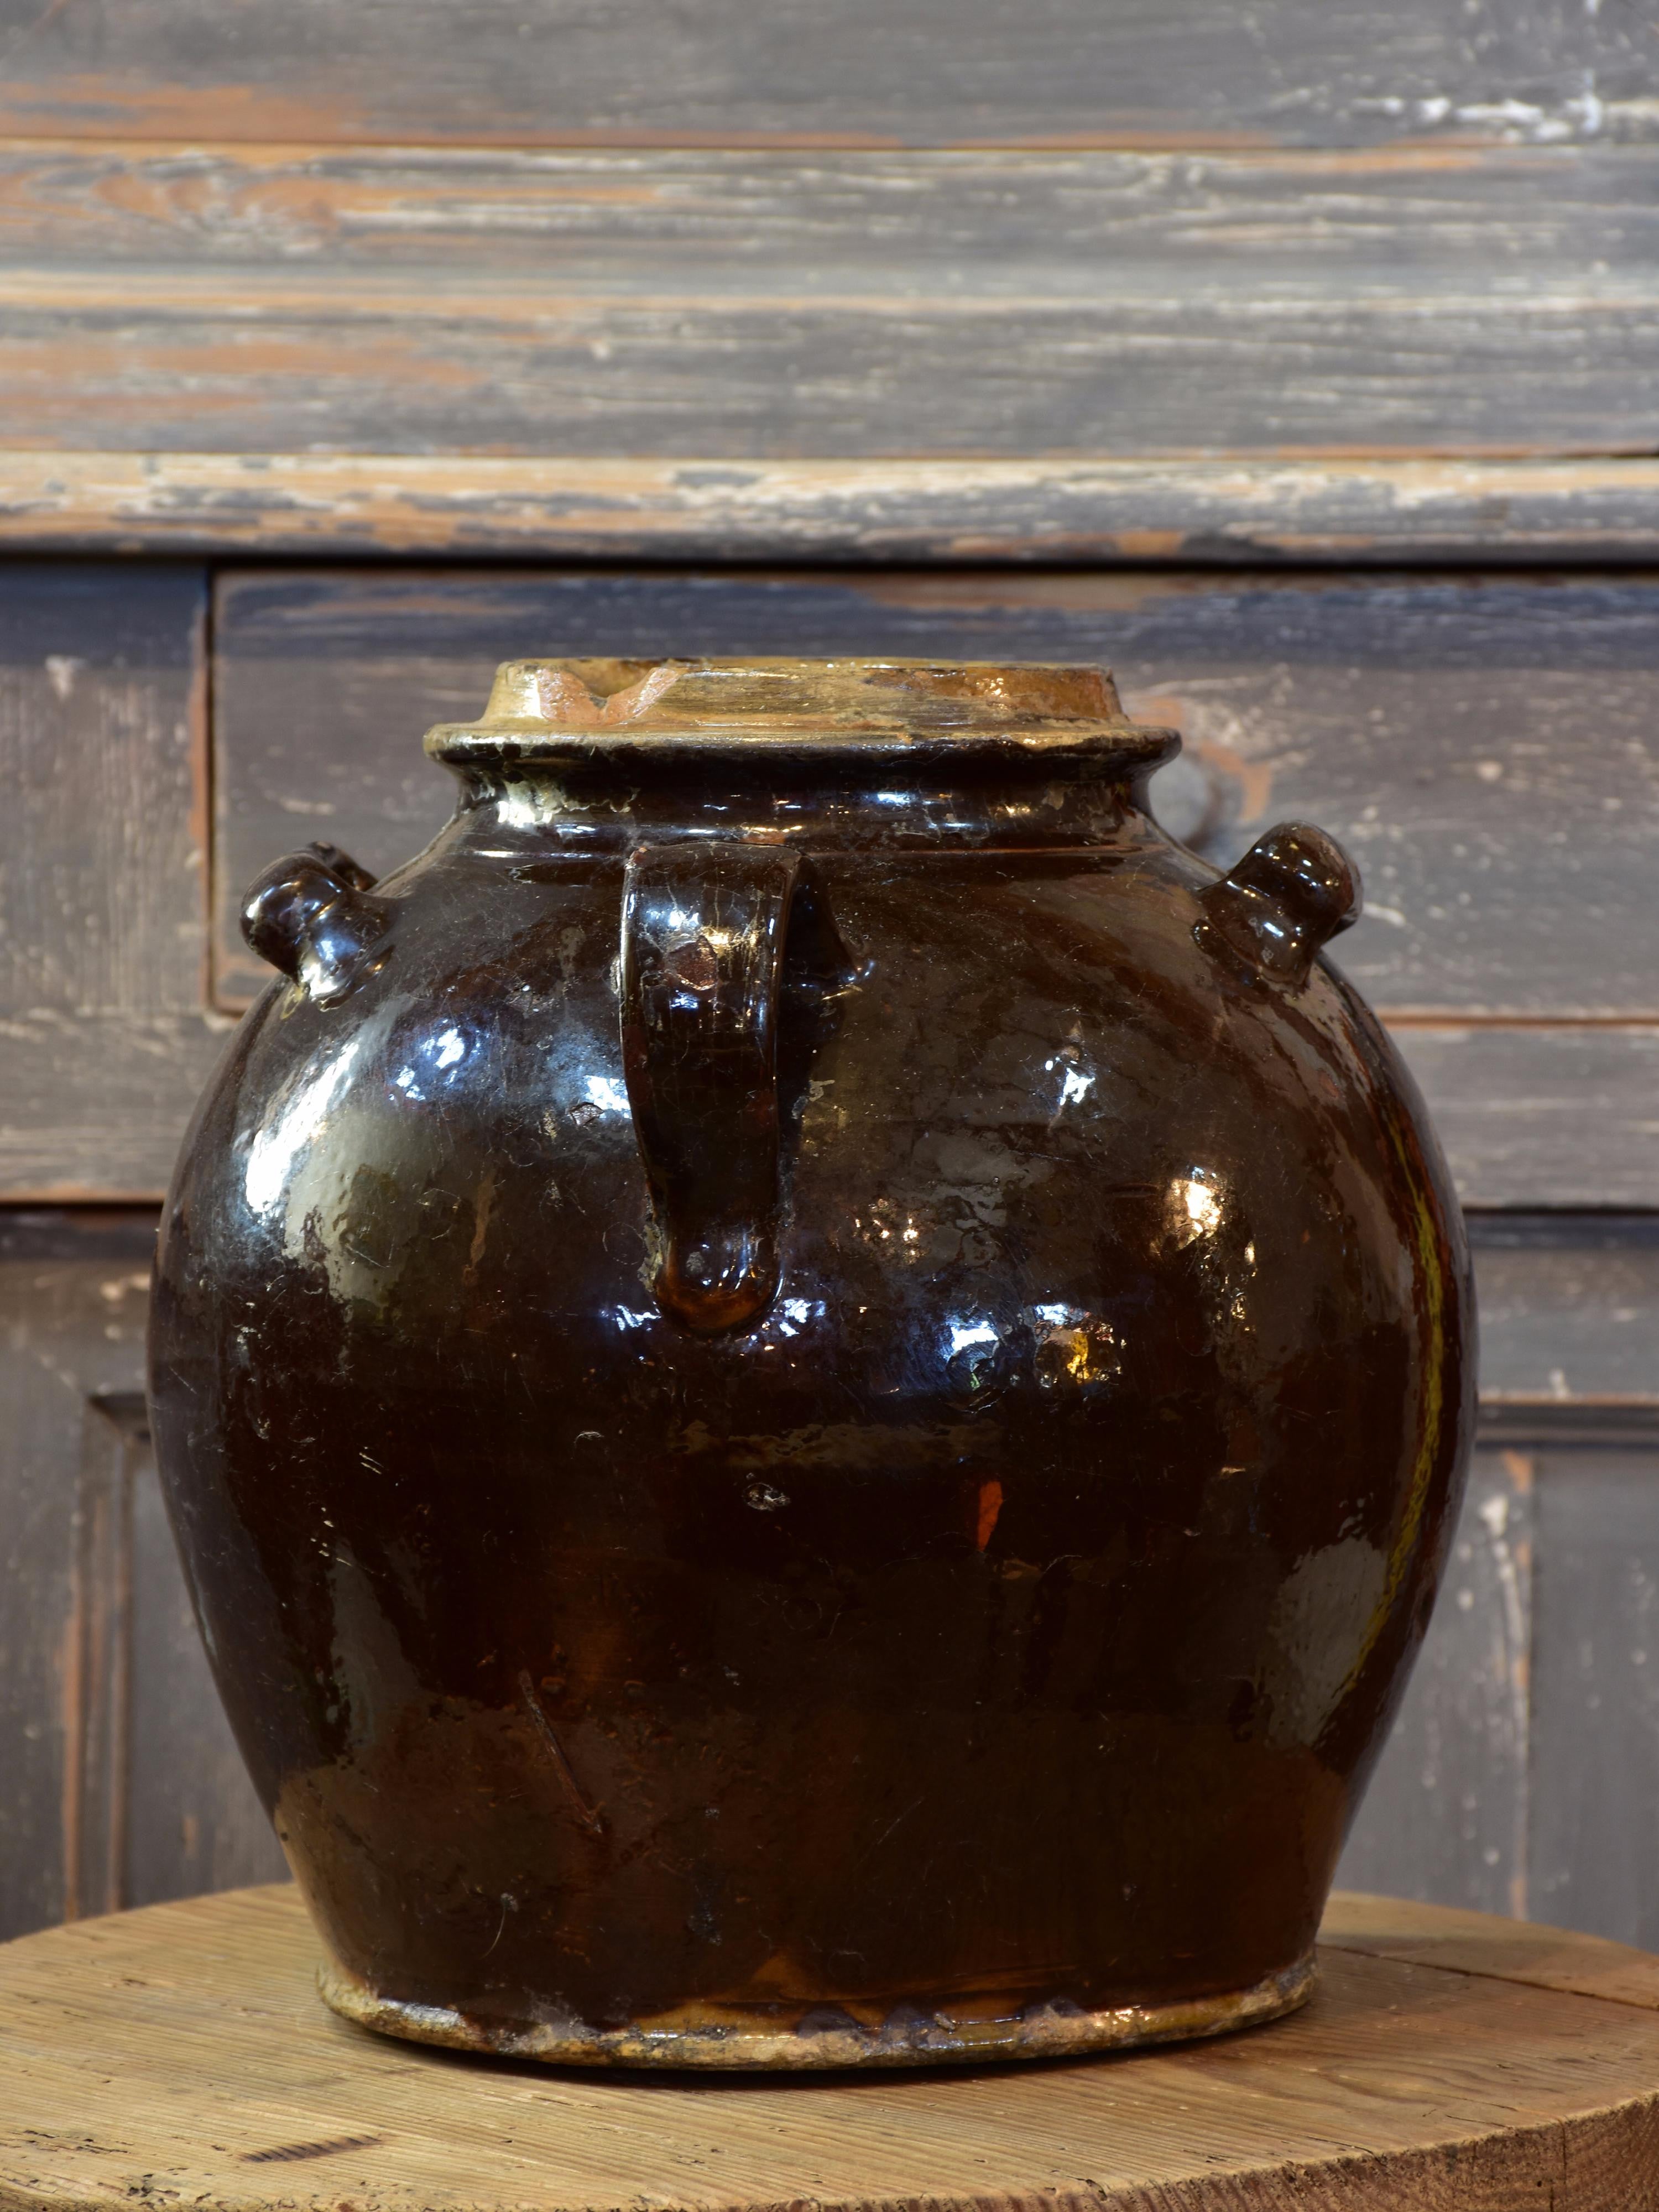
(703, 934)
(313, 915)
(1294, 891)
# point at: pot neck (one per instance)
(603, 755)
(600, 813)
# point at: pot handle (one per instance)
(314, 915)
(703, 932)
(1294, 891)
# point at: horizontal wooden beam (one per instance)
(819, 71)
(464, 506)
(1559, 1115)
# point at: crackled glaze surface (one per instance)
(811, 1384)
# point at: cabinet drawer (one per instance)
(106, 1033)
(1480, 744)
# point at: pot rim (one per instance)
(851, 709)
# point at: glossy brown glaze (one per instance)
(812, 1384)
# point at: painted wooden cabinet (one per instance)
(1295, 363)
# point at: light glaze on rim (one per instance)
(562, 710)
(733, 2041)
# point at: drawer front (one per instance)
(1480, 744)
(107, 1030)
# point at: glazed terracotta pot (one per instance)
(812, 1384)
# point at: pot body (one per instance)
(969, 1641)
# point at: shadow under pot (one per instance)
(812, 1385)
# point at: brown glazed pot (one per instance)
(812, 1384)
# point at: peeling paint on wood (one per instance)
(1569, 1310)
(1446, 1817)
(718, 307)
(992, 222)
(1557, 1115)
(1378, 705)
(822, 72)
(122, 1785)
(945, 512)
(104, 1035)
(1596, 1697)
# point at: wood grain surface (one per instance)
(945, 513)
(1483, 1943)
(717, 304)
(1556, 1114)
(122, 1785)
(1448, 1813)
(107, 1035)
(1569, 1310)
(181, 2054)
(1595, 1697)
(1301, 72)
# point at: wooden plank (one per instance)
(1445, 1817)
(1569, 1366)
(1483, 745)
(100, 991)
(160, 1805)
(1595, 1697)
(719, 305)
(1290, 71)
(63, 1285)
(184, 2050)
(96, 1793)
(94, 1103)
(192, 1819)
(1475, 1944)
(1557, 1115)
(122, 1785)
(101, 877)
(1569, 1315)
(945, 512)
(1450, 1788)
(1022, 224)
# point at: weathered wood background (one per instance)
(1183, 73)
(756, 306)
(691, 273)
(1294, 360)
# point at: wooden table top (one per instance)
(178, 2056)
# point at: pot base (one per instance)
(715, 2037)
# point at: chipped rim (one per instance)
(737, 2042)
